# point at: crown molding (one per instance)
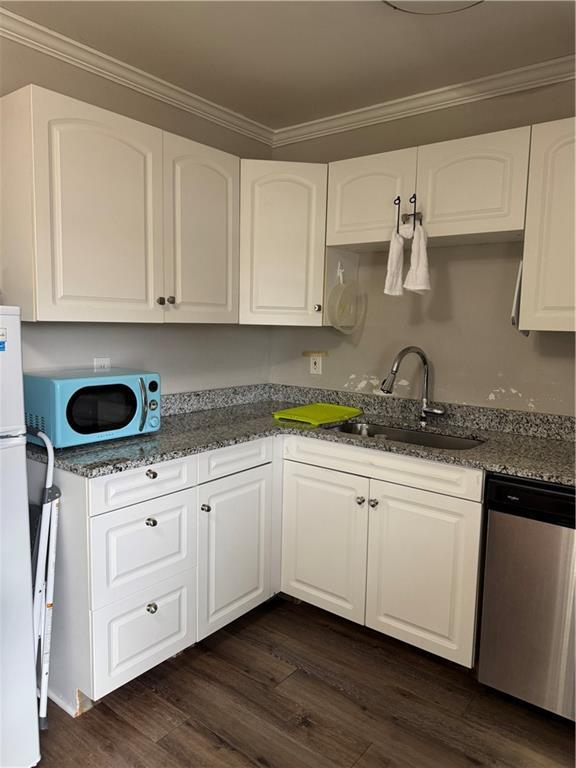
(25, 32)
(28, 33)
(514, 80)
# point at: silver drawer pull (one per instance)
(151, 522)
(152, 607)
(373, 503)
(206, 508)
(360, 500)
(151, 474)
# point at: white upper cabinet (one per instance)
(361, 194)
(282, 239)
(547, 302)
(325, 521)
(422, 584)
(82, 209)
(475, 186)
(201, 237)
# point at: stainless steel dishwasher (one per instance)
(527, 625)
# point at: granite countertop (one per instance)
(183, 434)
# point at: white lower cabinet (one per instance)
(132, 635)
(234, 544)
(422, 576)
(403, 560)
(325, 523)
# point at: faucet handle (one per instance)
(438, 411)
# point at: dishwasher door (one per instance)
(527, 632)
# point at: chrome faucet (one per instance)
(388, 383)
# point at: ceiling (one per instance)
(284, 63)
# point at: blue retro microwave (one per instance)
(74, 407)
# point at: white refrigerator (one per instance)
(19, 740)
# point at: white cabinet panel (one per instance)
(475, 185)
(435, 476)
(234, 458)
(423, 551)
(361, 194)
(282, 242)
(201, 232)
(134, 634)
(547, 302)
(98, 207)
(234, 538)
(324, 538)
(123, 488)
(135, 547)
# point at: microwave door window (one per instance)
(102, 408)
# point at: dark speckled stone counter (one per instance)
(188, 433)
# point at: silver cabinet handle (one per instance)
(161, 300)
(152, 474)
(151, 522)
(152, 607)
(360, 500)
(206, 508)
(373, 503)
(171, 299)
(317, 307)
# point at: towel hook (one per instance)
(397, 202)
(413, 201)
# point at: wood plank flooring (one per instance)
(290, 686)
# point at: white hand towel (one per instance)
(393, 286)
(418, 277)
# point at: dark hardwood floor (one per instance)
(290, 686)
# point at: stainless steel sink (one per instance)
(430, 439)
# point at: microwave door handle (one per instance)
(144, 394)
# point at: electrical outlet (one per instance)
(316, 364)
(101, 363)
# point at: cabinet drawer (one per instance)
(135, 634)
(450, 479)
(234, 458)
(148, 482)
(134, 547)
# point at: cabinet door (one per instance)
(325, 523)
(475, 185)
(98, 195)
(361, 194)
(547, 302)
(201, 234)
(423, 569)
(234, 529)
(282, 238)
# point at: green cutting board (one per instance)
(317, 414)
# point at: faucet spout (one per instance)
(388, 383)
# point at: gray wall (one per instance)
(463, 325)
(189, 357)
(511, 111)
(21, 66)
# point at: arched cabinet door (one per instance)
(98, 208)
(361, 194)
(282, 236)
(475, 186)
(547, 302)
(201, 240)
